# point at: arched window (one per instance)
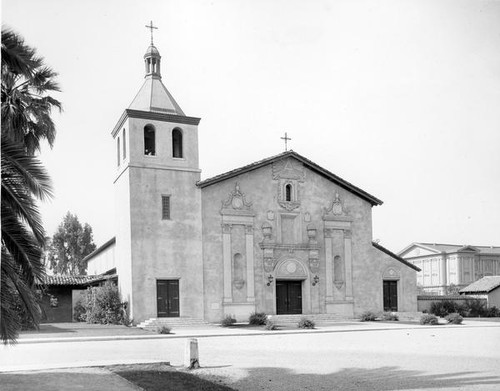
(176, 143)
(288, 192)
(149, 140)
(124, 144)
(118, 151)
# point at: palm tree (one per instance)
(25, 115)
(26, 107)
(23, 181)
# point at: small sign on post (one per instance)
(191, 358)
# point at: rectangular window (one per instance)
(118, 151)
(124, 145)
(165, 207)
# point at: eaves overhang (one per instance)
(154, 116)
(308, 163)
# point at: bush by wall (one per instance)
(368, 316)
(454, 318)
(257, 318)
(305, 323)
(467, 308)
(390, 316)
(429, 319)
(227, 320)
(103, 305)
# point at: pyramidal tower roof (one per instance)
(153, 96)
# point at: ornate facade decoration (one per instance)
(291, 268)
(336, 208)
(239, 284)
(236, 200)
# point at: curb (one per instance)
(242, 334)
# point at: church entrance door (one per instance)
(167, 297)
(288, 297)
(390, 295)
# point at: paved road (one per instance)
(457, 358)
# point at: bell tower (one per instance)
(158, 249)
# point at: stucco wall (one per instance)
(315, 194)
(102, 262)
(147, 247)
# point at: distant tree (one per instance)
(71, 243)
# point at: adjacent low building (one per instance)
(445, 265)
(487, 287)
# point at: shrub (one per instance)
(305, 323)
(163, 330)
(476, 307)
(368, 316)
(103, 305)
(79, 312)
(443, 308)
(257, 318)
(390, 316)
(454, 318)
(429, 319)
(227, 321)
(271, 325)
(492, 312)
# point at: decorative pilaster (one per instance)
(348, 263)
(226, 254)
(329, 265)
(250, 263)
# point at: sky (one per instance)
(400, 98)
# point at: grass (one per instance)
(162, 377)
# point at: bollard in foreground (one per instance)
(191, 359)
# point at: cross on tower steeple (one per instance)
(286, 138)
(151, 27)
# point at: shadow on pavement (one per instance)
(383, 378)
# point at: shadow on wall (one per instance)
(383, 378)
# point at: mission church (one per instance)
(281, 235)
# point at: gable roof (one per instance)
(396, 257)
(452, 248)
(484, 285)
(308, 163)
(100, 249)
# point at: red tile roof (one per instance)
(484, 285)
(74, 280)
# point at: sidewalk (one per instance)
(80, 332)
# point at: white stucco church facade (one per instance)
(281, 235)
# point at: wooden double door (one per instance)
(288, 297)
(167, 298)
(390, 295)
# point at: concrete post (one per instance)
(191, 357)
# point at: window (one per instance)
(288, 192)
(165, 207)
(124, 144)
(177, 143)
(118, 151)
(149, 140)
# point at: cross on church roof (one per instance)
(286, 138)
(151, 27)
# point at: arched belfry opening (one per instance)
(177, 143)
(149, 140)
